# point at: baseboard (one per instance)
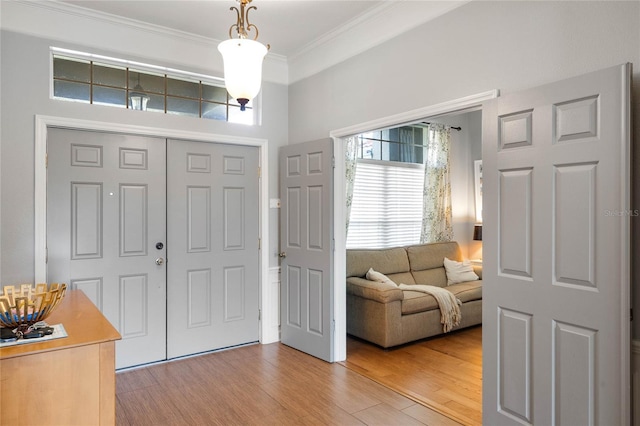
(635, 381)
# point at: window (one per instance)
(404, 144)
(386, 208)
(107, 81)
(387, 205)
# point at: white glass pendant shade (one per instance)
(242, 68)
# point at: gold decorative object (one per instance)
(24, 306)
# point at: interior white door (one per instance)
(556, 326)
(213, 270)
(306, 244)
(105, 215)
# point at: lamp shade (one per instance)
(477, 232)
(242, 68)
(138, 99)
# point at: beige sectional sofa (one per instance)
(383, 314)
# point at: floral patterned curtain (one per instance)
(350, 156)
(436, 205)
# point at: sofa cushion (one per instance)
(402, 277)
(467, 291)
(429, 256)
(435, 276)
(373, 275)
(386, 261)
(415, 301)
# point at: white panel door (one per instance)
(105, 214)
(306, 243)
(556, 328)
(213, 252)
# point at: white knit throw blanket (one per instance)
(450, 315)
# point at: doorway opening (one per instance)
(463, 105)
(466, 104)
(443, 372)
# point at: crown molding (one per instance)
(367, 30)
(356, 22)
(20, 16)
(83, 12)
(371, 28)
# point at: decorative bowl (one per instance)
(24, 306)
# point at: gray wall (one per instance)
(25, 73)
(475, 144)
(480, 46)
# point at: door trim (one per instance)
(43, 122)
(339, 201)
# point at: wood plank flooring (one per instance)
(261, 385)
(443, 372)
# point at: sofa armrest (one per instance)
(373, 290)
(478, 270)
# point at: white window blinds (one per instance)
(387, 205)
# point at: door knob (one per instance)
(282, 255)
(159, 261)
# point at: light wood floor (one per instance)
(261, 385)
(443, 372)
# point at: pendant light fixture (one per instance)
(242, 58)
(138, 98)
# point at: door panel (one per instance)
(105, 213)
(133, 220)
(306, 179)
(213, 256)
(556, 332)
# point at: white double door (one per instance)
(162, 235)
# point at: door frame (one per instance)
(267, 332)
(339, 201)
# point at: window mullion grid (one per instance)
(165, 96)
(200, 101)
(91, 82)
(127, 87)
(166, 90)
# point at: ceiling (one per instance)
(291, 27)
(288, 26)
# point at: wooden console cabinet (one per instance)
(66, 381)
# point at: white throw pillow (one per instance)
(458, 272)
(379, 277)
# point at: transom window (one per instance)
(105, 83)
(402, 144)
